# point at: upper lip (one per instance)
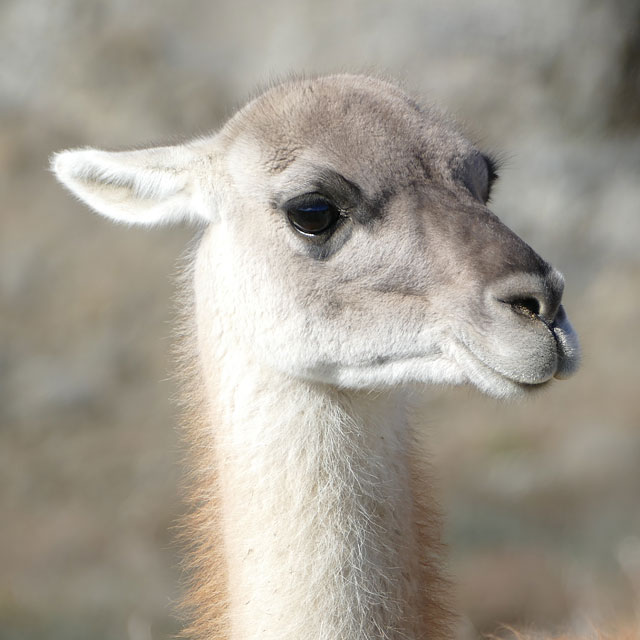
(567, 345)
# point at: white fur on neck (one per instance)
(316, 509)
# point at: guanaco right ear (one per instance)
(147, 187)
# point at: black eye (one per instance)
(312, 214)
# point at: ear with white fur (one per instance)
(149, 186)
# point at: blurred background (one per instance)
(542, 499)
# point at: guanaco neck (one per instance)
(309, 524)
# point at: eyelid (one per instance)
(299, 201)
(324, 182)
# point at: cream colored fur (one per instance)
(316, 498)
(312, 516)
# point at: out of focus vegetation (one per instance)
(543, 498)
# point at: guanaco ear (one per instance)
(149, 186)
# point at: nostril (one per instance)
(535, 296)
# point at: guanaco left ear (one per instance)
(148, 187)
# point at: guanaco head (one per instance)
(348, 241)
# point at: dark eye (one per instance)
(312, 214)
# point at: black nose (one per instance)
(532, 294)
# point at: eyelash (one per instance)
(493, 166)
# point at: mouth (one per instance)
(490, 380)
(567, 345)
(520, 362)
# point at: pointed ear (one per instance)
(149, 186)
